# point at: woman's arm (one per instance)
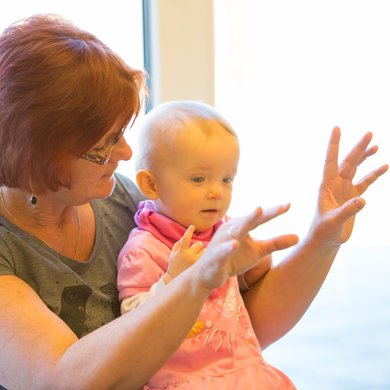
(280, 299)
(41, 351)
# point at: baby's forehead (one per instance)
(194, 135)
(193, 139)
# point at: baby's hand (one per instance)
(183, 255)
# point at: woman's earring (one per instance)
(33, 200)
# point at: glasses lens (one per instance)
(103, 158)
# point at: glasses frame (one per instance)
(101, 159)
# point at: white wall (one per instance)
(118, 22)
(182, 50)
(286, 73)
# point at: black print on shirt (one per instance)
(73, 304)
(111, 291)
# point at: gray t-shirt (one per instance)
(84, 295)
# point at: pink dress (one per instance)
(221, 350)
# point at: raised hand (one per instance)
(339, 197)
(233, 251)
(183, 255)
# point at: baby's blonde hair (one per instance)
(163, 123)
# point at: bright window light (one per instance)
(286, 73)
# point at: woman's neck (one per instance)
(56, 224)
(22, 208)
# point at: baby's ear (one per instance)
(146, 183)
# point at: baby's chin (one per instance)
(201, 228)
(203, 221)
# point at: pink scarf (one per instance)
(165, 229)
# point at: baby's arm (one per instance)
(181, 257)
(139, 274)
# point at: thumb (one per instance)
(350, 209)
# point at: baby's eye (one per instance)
(198, 179)
(228, 180)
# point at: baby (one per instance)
(186, 165)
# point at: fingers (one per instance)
(347, 210)
(224, 250)
(273, 212)
(348, 167)
(185, 241)
(364, 183)
(279, 243)
(369, 152)
(242, 226)
(197, 248)
(332, 155)
(356, 156)
(176, 246)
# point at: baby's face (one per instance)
(195, 181)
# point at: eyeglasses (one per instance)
(103, 157)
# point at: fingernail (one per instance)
(359, 203)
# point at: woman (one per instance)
(65, 100)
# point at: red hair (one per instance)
(61, 90)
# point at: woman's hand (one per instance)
(339, 198)
(233, 251)
(283, 295)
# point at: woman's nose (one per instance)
(122, 150)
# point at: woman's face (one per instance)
(93, 181)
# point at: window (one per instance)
(286, 73)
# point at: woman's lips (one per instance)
(112, 171)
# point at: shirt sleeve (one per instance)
(6, 267)
(137, 272)
(134, 301)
